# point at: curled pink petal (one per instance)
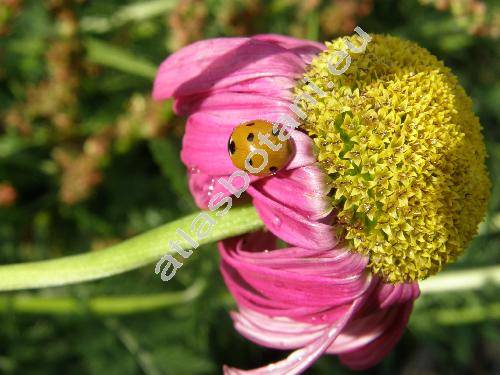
(306, 290)
(374, 352)
(308, 187)
(283, 305)
(301, 359)
(292, 226)
(268, 278)
(278, 333)
(304, 154)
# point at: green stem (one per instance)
(466, 315)
(454, 281)
(109, 305)
(133, 253)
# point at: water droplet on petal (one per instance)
(332, 333)
(194, 170)
(270, 368)
(211, 187)
(277, 222)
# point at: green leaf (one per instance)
(135, 12)
(111, 56)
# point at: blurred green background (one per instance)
(87, 159)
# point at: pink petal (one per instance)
(291, 285)
(391, 294)
(291, 226)
(227, 100)
(299, 289)
(274, 86)
(304, 154)
(335, 262)
(362, 331)
(217, 63)
(369, 355)
(303, 358)
(204, 187)
(250, 298)
(308, 187)
(284, 333)
(204, 146)
(306, 49)
(272, 332)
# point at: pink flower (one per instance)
(315, 297)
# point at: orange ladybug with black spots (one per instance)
(254, 147)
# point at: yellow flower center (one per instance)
(404, 152)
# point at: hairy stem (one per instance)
(130, 254)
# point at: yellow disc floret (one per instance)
(404, 152)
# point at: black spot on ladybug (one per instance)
(250, 162)
(231, 146)
(250, 137)
(273, 169)
(250, 123)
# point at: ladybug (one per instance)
(255, 147)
